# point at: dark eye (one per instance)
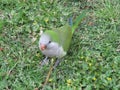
(49, 42)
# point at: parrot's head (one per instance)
(44, 42)
(49, 47)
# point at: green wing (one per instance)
(65, 34)
(61, 35)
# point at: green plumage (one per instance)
(63, 35)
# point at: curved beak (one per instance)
(42, 47)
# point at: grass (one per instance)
(92, 62)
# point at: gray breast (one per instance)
(54, 50)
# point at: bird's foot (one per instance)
(44, 61)
(56, 63)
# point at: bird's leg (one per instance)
(45, 61)
(56, 63)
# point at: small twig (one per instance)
(48, 76)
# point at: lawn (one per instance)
(93, 59)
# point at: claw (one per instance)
(56, 63)
(44, 61)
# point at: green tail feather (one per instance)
(78, 20)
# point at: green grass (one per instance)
(92, 62)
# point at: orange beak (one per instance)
(42, 47)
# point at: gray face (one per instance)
(52, 49)
(45, 39)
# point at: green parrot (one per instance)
(56, 42)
